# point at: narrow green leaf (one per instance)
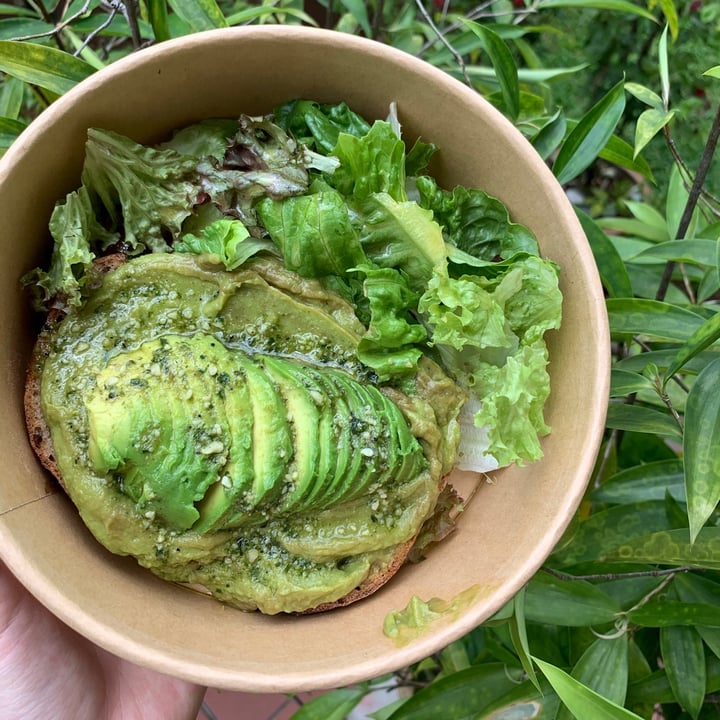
(503, 63)
(333, 705)
(656, 689)
(671, 15)
(457, 696)
(664, 68)
(9, 131)
(677, 198)
(684, 660)
(609, 529)
(674, 612)
(572, 604)
(550, 135)
(622, 153)
(692, 252)
(592, 133)
(518, 634)
(580, 700)
(701, 339)
(16, 27)
(713, 72)
(692, 588)
(652, 319)
(624, 382)
(617, 5)
(635, 228)
(12, 92)
(649, 124)
(612, 269)
(248, 14)
(43, 66)
(523, 701)
(158, 16)
(644, 95)
(644, 482)
(199, 15)
(638, 418)
(701, 445)
(359, 12)
(603, 667)
(670, 547)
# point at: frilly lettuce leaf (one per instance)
(489, 335)
(145, 192)
(390, 346)
(207, 138)
(225, 242)
(262, 160)
(513, 397)
(76, 232)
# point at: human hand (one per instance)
(49, 671)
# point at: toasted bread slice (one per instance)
(41, 441)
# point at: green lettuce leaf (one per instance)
(373, 163)
(77, 235)
(318, 125)
(145, 192)
(489, 333)
(475, 222)
(207, 138)
(513, 397)
(390, 345)
(401, 235)
(225, 242)
(314, 233)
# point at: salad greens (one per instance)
(340, 199)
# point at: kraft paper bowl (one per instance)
(510, 526)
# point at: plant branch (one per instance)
(445, 42)
(693, 197)
(618, 576)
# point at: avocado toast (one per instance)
(261, 335)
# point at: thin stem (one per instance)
(618, 576)
(693, 196)
(443, 39)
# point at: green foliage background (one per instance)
(622, 99)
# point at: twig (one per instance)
(106, 23)
(618, 576)
(443, 39)
(693, 196)
(59, 27)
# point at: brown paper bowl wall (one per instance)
(508, 529)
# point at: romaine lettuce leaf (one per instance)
(401, 235)
(313, 232)
(373, 163)
(225, 242)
